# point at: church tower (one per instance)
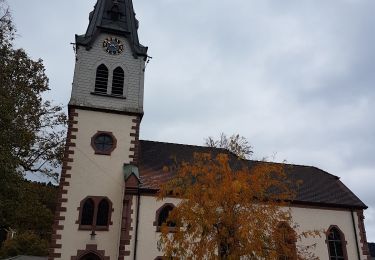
(105, 111)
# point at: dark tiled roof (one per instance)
(318, 187)
(371, 247)
(113, 16)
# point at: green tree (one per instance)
(236, 144)
(32, 135)
(32, 130)
(25, 244)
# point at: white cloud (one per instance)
(295, 77)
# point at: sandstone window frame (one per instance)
(158, 216)
(91, 249)
(94, 144)
(289, 238)
(94, 226)
(341, 240)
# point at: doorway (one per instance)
(90, 256)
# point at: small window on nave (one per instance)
(118, 82)
(336, 244)
(285, 242)
(162, 215)
(101, 80)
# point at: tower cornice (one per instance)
(104, 110)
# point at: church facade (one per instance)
(107, 207)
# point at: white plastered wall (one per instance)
(95, 175)
(317, 219)
(306, 218)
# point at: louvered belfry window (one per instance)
(118, 82)
(101, 80)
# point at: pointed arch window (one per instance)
(118, 82)
(162, 215)
(286, 242)
(101, 80)
(95, 213)
(103, 212)
(336, 244)
(88, 212)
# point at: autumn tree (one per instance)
(230, 208)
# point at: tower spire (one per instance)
(115, 17)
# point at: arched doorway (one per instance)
(90, 253)
(90, 256)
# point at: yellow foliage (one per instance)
(228, 210)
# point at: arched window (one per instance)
(336, 244)
(162, 215)
(285, 242)
(101, 80)
(118, 82)
(87, 212)
(102, 215)
(95, 213)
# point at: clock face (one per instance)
(113, 46)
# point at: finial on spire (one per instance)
(116, 17)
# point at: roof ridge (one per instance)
(249, 160)
(191, 145)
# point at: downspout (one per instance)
(137, 223)
(355, 234)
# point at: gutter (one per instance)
(137, 223)
(355, 234)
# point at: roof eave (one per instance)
(323, 205)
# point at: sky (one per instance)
(295, 77)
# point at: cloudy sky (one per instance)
(296, 77)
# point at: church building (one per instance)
(107, 207)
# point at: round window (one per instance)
(103, 143)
